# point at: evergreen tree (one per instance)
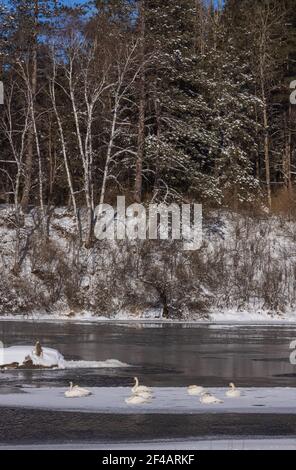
(206, 118)
(258, 29)
(206, 114)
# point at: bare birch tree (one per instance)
(88, 79)
(142, 106)
(64, 150)
(15, 127)
(33, 90)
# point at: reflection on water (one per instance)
(162, 354)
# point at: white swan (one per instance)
(209, 399)
(145, 395)
(76, 392)
(136, 400)
(195, 390)
(233, 392)
(137, 389)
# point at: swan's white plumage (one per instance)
(209, 399)
(140, 394)
(195, 390)
(144, 394)
(140, 388)
(136, 400)
(76, 392)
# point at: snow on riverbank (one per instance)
(215, 317)
(244, 272)
(167, 400)
(235, 316)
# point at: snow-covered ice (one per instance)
(108, 364)
(51, 357)
(168, 400)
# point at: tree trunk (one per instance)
(142, 106)
(65, 157)
(287, 153)
(199, 27)
(30, 146)
(266, 139)
(109, 151)
(266, 156)
(158, 136)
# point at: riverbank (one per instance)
(244, 271)
(217, 318)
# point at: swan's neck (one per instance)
(136, 384)
(232, 386)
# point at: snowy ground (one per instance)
(235, 316)
(171, 400)
(220, 318)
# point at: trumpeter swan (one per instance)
(136, 400)
(146, 395)
(233, 392)
(209, 399)
(195, 390)
(76, 392)
(140, 388)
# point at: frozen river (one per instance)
(168, 357)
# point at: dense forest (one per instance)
(176, 101)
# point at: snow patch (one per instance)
(108, 364)
(49, 357)
(246, 316)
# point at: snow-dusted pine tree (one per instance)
(204, 110)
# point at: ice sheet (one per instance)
(167, 400)
(109, 363)
(49, 357)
